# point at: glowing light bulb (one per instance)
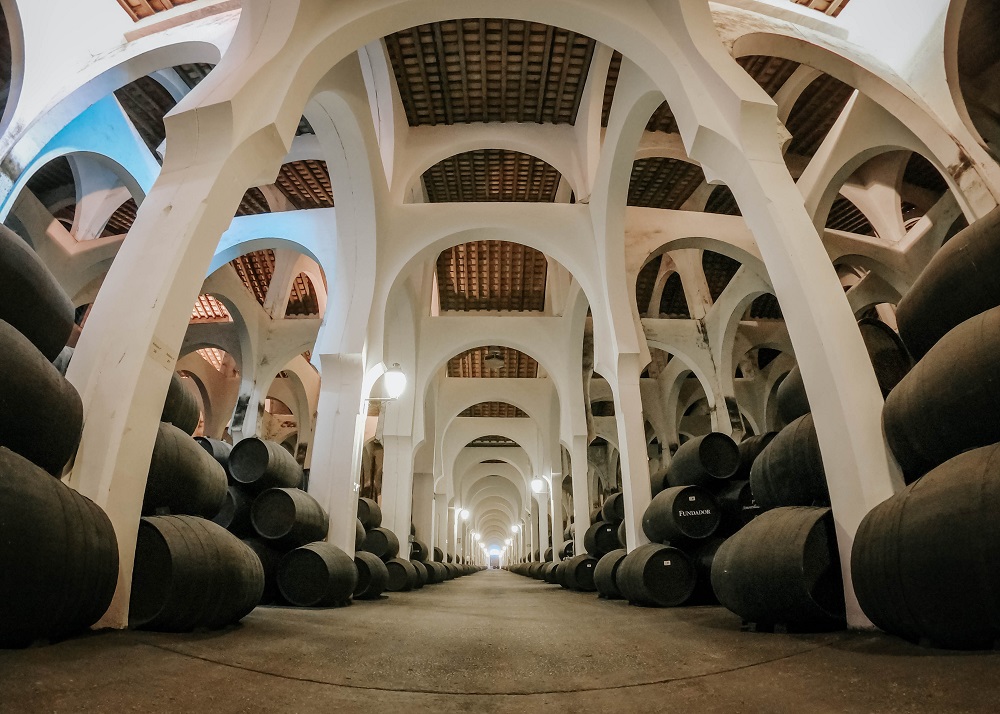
(395, 381)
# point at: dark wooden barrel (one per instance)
(61, 363)
(613, 510)
(41, 415)
(438, 554)
(681, 512)
(622, 534)
(373, 576)
(535, 570)
(270, 558)
(750, 449)
(567, 550)
(782, 568)
(547, 555)
(260, 465)
(359, 534)
(703, 557)
(924, 562)
(737, 504)
(382, 542)
(180, 407)
(568, 532)
(959, 282)
(601, 538)
(31, 300)
(606, 572)
(288, 517)
(578, 573)
(889, 357)
(402, 575)
(452, 570)
(656, 575)
(218, 450)
(948, 403)
(419, 550)
(183, 479)
(369, 513)
(190, 572)
(789, 472)
(595, 515)
(436, 572)
(552, 574)
(658, 478)
(58, 556)
(317, 575)
(792, 400)
(703, 460)
(234, 515)
(421, 574)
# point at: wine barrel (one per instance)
(260, 465)
(703, 460)
(317, 575)
(61, 362)
(421, 574)
(234, 515)
(369, 513)
(191, 573)
(601, 538)
(613, 510)
(288, 517)
(595, 515)
(218, 450)
(658, 479)
(373, 576)
(792, 400)
(546, 572)
(402, 575)
(789, 472)
(782, 568)
(183, 479)
(438, 554)
(359, 535)
(622, 537)
(382, 542)
(703, 557)
(656, 575)
(958, 283)
(750, 448)
(180, 407)
(31, 300)
(948, 403)
(889, 357)
(606, 572)
(681, 512)
(58, 556)
(737, 504)
(924, 562)
(552, 574)
(535, 570)
(41, 415)
(270, 558)
(418, 550)
(436, 572)
(578, 573)
(547, 555)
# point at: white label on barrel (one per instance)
(666, 562)
(691, 498)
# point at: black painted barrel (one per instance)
(317, 575)
(681, 512)
(737, 504)
(183, 478)
(606, 573)
(567, 550)
(958, 283)
(419, 550)
(402, 575)
(438, 554)
(622, 534)
(704, 460)
(31, 300)
(613, 510)
(547, 555)
(578, 573)
(782, 568)
(792, 400)
(270, 559)
(234, 515)
(373, 576)
(369, 513)
(217, 449)
(750, 448)
(421, 574)
(382, 542)
(789, 472)
(601, 538)
(41, 414)
(546, 572)
(535, 570)
(656, 576)
(949, 402)
(58, 556)
(658, 478)
(260, 465)
(889, 357)
(924, 562)
(180, 407)
(703, 557)
(436, 572)
(190, 572)
(552, 574)
(288, 517)
(359, 535)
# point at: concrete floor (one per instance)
(493, 642)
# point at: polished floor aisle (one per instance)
(494, 642)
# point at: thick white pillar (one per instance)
(422, 508)
(581, 496)
(440, 539)
(543, 525)
(555, 498)
(397, 488)
(632, 448)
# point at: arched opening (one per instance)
(493, 410)
(491, 276)
(491, 175)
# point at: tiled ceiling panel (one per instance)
(306, 183)
(830, 7)
(492, 440)
(303, 301)
(54, 175)
(146, 102)
(253, 203)
(719, 271)
(256, 270)
(122, 219)
(138, 9)
(491, 175)
(845, 216)
(922, 173)
(645, 283)
(483, 70)
(491, 275)
(193, 73)
(208, 309)
(495, 410)
(765, 308)
(722, 201)
(663, 183)
(673, 302)
(769, 72)
(471, 364)
(815, 112)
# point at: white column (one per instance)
(555, 498)
(632, 448)
(397, 488)
(543, 524)
(581, 497)
(422, 507)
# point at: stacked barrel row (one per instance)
(924, 562)
(58, 550)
